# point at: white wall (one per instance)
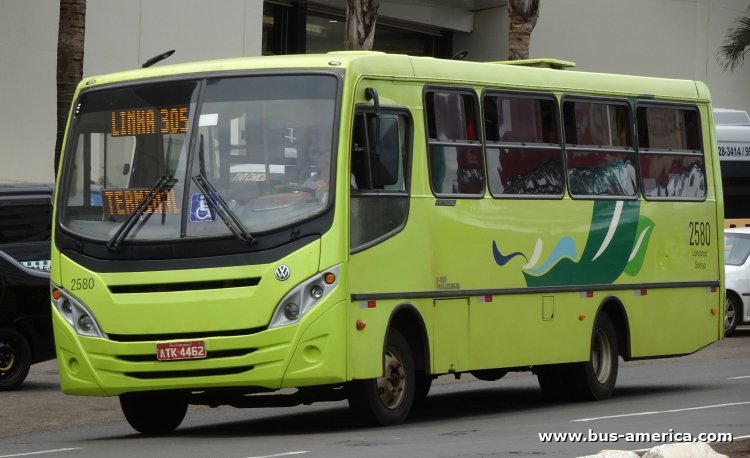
(489, 42)
(666, 38)
(120, 35)
(670, 38)
(28, 63)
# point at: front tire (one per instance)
(732, 313)
(154, 412)
(15, 358)
(387, 400)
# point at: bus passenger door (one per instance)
(451, 335)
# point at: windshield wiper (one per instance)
(162, 184)
(217, 203)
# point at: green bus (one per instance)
(281, 230)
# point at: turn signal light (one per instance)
(329, 278)
(56, 294)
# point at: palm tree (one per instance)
(70, 39)
(360, 23)
(735, 45)
(523, 15)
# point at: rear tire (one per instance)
(387, 400)
(732, 314)
(154, 412)
(15, 358)
(595, 379)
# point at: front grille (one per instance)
(185, 286)
(188, 373)
(210, 355)
(183, 335)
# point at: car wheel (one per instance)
(15, 358)
(732, 313)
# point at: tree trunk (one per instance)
(70, 40)
(523, 15)
(360, 23)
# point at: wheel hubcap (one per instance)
(729, 313)
(601, 356)
(7, 358)
(392, 386)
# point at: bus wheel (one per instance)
(732, 311)
(154, 412)
(387, 400)
(15, 358)
(595, 378)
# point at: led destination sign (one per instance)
(149, 121)
(123, 202)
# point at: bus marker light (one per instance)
(371, 304)
(329, 278)
(581, 316)
(714, 311)
(361, 324)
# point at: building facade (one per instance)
(664, 38)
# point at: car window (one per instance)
(736, 248)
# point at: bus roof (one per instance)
(541, 74)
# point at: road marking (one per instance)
(662, 411)
(41, 452)
(299, 452)
(737, 378)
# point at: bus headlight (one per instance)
(304, 297)
(78, 316)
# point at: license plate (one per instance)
(171, 351)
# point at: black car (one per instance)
(25, 318)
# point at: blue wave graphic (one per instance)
(565, 248)
(502, 259)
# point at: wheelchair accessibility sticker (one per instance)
(200, 210)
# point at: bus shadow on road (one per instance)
(506, 402)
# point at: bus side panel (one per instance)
(529, 329)
(672, 322)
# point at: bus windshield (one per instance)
(199, 157)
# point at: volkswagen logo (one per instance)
(282, 272)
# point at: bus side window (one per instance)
(455, 156)
(600, 154)
(671, 157)
(379, 195)
(524, 155)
